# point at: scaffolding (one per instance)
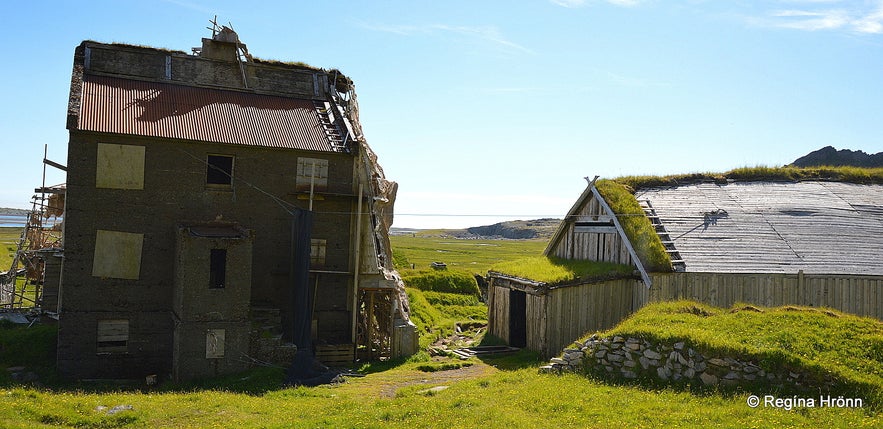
(22, 285)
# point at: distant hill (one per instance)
(517, 229)
(12, 212)
(828, 155)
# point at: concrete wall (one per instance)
(181, 68)
(175, 192)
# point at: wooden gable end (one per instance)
(589, 233)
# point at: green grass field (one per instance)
(8, 244)
(474, 256)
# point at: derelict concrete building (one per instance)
(188, 179)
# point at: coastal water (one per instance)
(12, 221)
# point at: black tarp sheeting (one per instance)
(304, 369)
(299, 276)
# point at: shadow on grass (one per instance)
(509, 361)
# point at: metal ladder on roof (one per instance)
(331, 130)
(677, 261)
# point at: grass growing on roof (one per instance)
(636, 225)
(792, 338)
(553, 270)
(787, 173)
(450, 281)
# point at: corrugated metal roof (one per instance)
(817, 227)
(153, 109)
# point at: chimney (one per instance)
(224, 45)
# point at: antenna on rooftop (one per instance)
(215, 27)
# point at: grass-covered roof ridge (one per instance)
(788, 173)
(553, 271)
(635, 224)
(818, 340)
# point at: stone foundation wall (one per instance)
(632, 358)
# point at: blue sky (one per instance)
(489, 109)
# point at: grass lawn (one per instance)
(474, 256)
(8, 245)
(494, 392)
(505, 392)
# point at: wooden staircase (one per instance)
(677, 261)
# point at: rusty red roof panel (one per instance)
(123, 106)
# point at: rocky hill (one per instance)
(514, 230)
(830, 156)
(13, 212)
(517, 229)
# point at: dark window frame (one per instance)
(217, 273)
(219, 170)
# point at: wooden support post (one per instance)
(370, 321)
(356, 269)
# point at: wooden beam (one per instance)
(54, 164)
(647, 281)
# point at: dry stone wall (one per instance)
(633, 358)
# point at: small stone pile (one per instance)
(631, 358)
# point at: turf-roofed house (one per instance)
(770, 243)
(219, 209)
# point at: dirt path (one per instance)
(432, 379)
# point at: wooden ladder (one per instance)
(677, 261)
(332, 131)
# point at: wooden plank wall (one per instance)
(575, 310)
(591, 246)
(562, 315)
(860, 295)
(536, 321)
(498, 310)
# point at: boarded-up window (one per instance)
(317, 252)
(217, 268)
(113, 336)
(219, 170)
(119, 166)
(214, 343)
(312, 171)
(117, 255)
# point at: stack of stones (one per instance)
(631, 358)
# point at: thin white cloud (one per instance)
(866, 17)
(569, 3)
(578, 3)
(192, 6)
(488, 34)
(871, 23)
(812, 21)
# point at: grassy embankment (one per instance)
(820, 342)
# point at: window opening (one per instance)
(218, 268)
(219, 170)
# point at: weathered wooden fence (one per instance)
(860, 295)
(547, 319)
